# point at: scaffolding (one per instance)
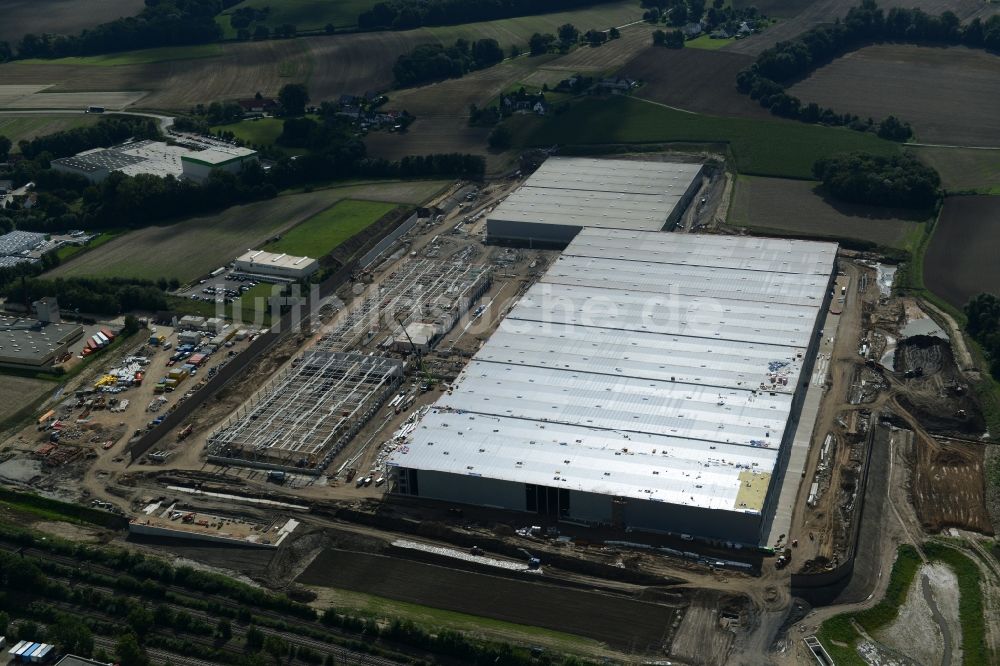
(419, 290)
(307, 413)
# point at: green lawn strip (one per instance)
(975, 651)
(837, 631)
(322, 233)
(760, 147)
(140, 57)
(436, 618)
(707, 43)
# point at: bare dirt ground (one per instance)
(927, 629)
(63, 17)
(801, 15)
(794, 206)
(886, 79)
(949, 486)
(694, 80)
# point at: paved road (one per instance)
(166, 122)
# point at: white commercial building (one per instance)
(197, 165)
(259, 262)
(567, 194)
(155, 158)
(649, 380)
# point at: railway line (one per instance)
(341, 654)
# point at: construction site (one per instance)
(697, 440)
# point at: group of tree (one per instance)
(672, 39)
(104, 296)
(899, 181)
(789, 61)
(982, 315)
(108, 132)
(434, 62)
(405, 14)
(160, 23)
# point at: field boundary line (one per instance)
(944, 145)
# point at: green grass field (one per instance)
(963, 169)
(707, 43)
(436, 619)
(67, 252)
(303, 14)
(191, 248)
(759, 147)
(323, 232)
(260, 132)
(142, 57)
(29, 126)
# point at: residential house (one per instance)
(691, 30)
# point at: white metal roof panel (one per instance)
(768, 323)
(659, 278)
(744, 252)
(637, 465)
(642, 355)
(629, 176)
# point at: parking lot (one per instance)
(226, 286)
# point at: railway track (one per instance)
(342, 654)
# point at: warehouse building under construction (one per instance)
(567, 194)
(649, 381)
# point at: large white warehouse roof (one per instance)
(569, 193)
(670, 375)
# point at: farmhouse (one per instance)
(259, 262)
(648, 381)
(568, 194)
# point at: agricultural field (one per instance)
(323, 232)
(141, 57)
(17, 392)
(693, 80)
(961, 258)
(895, 79)
(797, 16)
(794, 207)
(303, 14)
(59, 16)
(29, 126)
(194, 247)
(963, 169)
(255, 131)
(621, 623)
(759, 147)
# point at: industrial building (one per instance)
(197, 165)
(33, 344)
(307, 413)
(427, 296)
(269, 264)
(156, 158)
(648, 381)
(20, 243)
(567, 194)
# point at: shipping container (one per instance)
(102, 338)
(107, 333)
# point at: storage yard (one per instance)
(636, 424)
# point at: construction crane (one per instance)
(416, 352)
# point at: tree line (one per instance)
(433, 62)
(899, 181)
(103, 296)
(160, 23)
(788, 61)
(109, 131)
(404, 14)
(983, 325)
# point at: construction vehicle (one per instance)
(185, 432)
(533, 562)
